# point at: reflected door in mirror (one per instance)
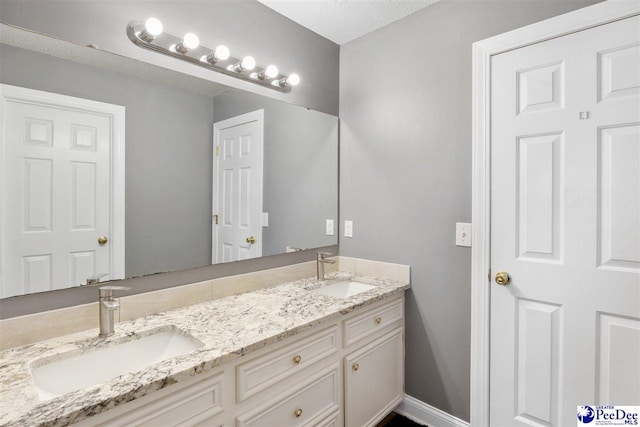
(56, 182)
(238, 187)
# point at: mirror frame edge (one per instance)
(28, 304)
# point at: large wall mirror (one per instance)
(196, 154)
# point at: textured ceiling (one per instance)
(344, 20)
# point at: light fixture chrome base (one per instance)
(166, 44)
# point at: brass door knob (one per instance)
(355, 367)
(297, 359)
(298, 413)
(251, 240)
(502, 278)
(378, 320)
(102, 240)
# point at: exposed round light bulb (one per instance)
(191, 41)
(248, 63)
(293, 80)
(221, 53)
(271, 71)
(153, 27)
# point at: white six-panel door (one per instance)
(237, 187)
(57, 184)
(565, 225)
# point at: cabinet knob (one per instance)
(355, 367)
(378, 320)
(297, 359)
(298, 412)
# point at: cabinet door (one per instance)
(374, 378)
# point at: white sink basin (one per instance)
(78, 371)
(343, 289)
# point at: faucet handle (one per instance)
(107, 291)
(322, 258)
(323, 255)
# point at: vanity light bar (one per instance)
(150, 35)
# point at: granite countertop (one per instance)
(229, 328)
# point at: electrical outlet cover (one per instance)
(463, 234)
(348, 228)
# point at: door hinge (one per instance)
(217, 150)
(215, 218)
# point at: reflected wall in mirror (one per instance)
(170, 157)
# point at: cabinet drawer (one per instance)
(332, 420)
(372, 321)
(187, 406)
(311, 404)
(271, 368)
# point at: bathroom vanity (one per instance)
(299, 353)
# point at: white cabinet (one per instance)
(348, 372)
(371, 322)
(311, 403)
(262, 372)
(374, 380)
(187, 404)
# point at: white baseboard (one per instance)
(423, 413)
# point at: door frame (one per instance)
(582, 19)
(116, 116)
(257, 116)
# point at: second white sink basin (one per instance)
(343, 289)
(78, 371)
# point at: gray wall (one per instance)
(168, 155)
(405, 171)
(245, 26)
(300, 169)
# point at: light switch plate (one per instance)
(329, 227)
(264, 219)
(348, 228)
(463, 234)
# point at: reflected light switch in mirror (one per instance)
(264, 219)
(329, 227)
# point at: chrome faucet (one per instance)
(321, 260)
(107, 306)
